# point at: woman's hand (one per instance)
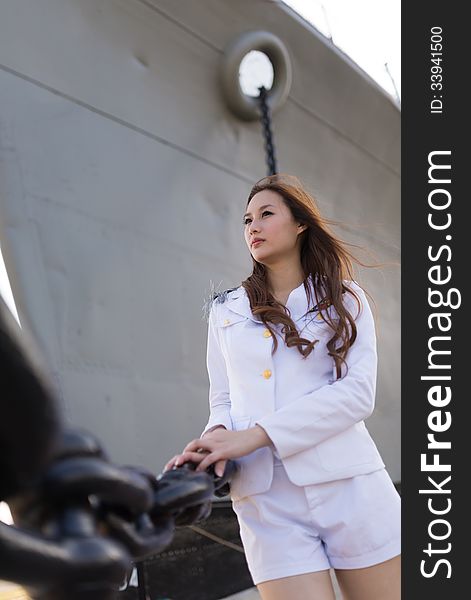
(179, 459)
(220, 445)
(197, 457)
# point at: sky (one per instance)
(369, 31)
(5, 289)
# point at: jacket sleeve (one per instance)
(332, 408)
(219, 401)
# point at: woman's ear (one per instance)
(303, 227)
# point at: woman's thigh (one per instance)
(308, 586)
(370, 583)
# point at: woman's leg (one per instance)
(371, 583)
(308, 586)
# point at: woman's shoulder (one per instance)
(349, 285)
(355, 298)
(353, 285)
(221, 297)
(215, 298)
(353, 295)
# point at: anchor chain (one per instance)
(267, 131)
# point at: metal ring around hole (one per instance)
(247, 107)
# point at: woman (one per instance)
(312, 491)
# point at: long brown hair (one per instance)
(324, 258)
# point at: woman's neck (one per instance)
(283, 283)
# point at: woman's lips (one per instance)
(257, 243)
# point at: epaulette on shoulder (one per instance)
(221, 297)
(213, 297)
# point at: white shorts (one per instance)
(344, 524)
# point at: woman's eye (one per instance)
(267, 212)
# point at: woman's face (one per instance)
(268, 218)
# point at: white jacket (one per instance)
(316, 422)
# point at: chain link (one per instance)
(267, 132)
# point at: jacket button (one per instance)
(267, 373)
(267, 333)
(226, 321)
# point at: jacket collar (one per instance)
(238, 302)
